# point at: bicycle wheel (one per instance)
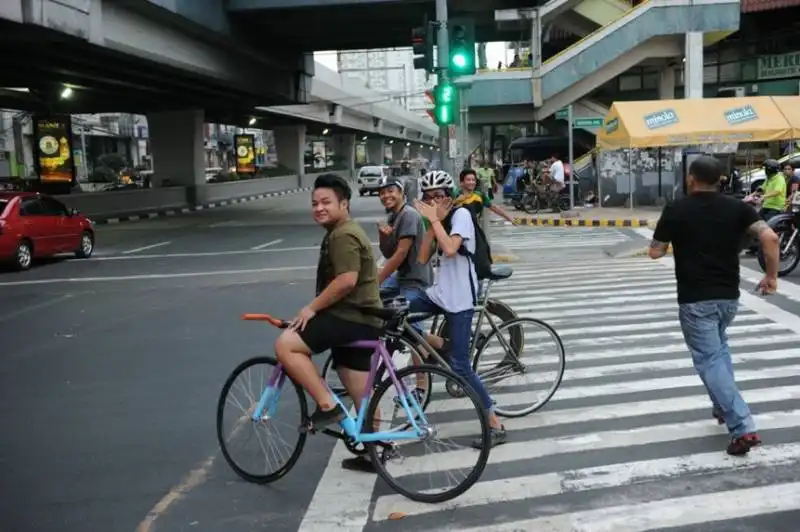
(497, 362)
(472, 423)
(244, 423)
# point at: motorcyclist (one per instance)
(774, 188)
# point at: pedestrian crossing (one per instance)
(561, 240)
(627, 443)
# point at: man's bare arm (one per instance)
(769, 245)
(657, 249)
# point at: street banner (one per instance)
(53, 147)
(245, 154)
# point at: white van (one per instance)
(370, 178)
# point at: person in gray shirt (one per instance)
(400, 238)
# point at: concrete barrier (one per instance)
(125, 203)
(121, 202)
(215, 192)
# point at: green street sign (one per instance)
(587, 122)
(562, 114)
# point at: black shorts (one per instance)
(326, 331)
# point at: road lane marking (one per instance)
(675, 512)
(145, 248)
(37, 306)
(152, 276)
(209, 253)
(266, 244)
(322, 513)
(195, 478)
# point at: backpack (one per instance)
(482, 258)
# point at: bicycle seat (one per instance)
(498, 273)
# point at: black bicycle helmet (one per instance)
(771, 167)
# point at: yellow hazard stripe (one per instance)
(591, 222)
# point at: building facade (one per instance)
(391, 72)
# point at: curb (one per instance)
(165, 213)
(591, 222)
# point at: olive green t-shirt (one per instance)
(344, 249)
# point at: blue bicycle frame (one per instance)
(351, 426)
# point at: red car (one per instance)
(35, 225)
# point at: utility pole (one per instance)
(442, 61)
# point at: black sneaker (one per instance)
(496, 437)
(716, 414)
(322, 418)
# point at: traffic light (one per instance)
(461, 35)
(422, 39)
(445, 103)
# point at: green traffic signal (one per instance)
(462, 47)
(446, 104)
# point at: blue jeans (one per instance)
(459, 331)
(410, 293)
(703, 325)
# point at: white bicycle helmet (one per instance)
(436, 179)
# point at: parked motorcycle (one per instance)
(786, 226)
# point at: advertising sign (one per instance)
(664, 118)
(53, 135)
(779, 66)
(739, 115)
(245, 154)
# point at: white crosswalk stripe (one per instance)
(627, 443)
(556, 239)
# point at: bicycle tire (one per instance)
(562, 361)
(379, 464)
(301, 441)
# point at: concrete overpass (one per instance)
(148, 56)
(664, 31)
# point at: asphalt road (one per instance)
(112, 369)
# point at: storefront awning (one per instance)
(693, 121)
(789, 106)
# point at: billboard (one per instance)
(245, 153)
(53, 148)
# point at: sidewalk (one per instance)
(593, 217)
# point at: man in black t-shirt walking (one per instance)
(706, 229)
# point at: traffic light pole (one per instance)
(442, 61)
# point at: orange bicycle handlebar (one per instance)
(266, 317)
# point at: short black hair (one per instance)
(465, 172)
(787, 163)
(706, 170)
(335, 183)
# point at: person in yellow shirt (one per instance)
(475, 200)
(774, 188)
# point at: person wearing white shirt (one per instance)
(557, 173)
(453, 292)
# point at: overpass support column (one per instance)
(375, 151)
(398, 151)
(693, 68)
(666, 83)
(345, 147)
(290, 145)
(177, 143)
